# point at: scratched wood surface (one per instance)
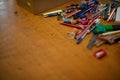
(36, 48)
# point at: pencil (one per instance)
(111, 14)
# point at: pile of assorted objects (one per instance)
(85, 18)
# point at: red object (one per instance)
(95, 17)
(72, 13)
(72, 25)
(89, 16)
(100, 53)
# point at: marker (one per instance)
(100, 28)
(81, 14)
(83, 36)
(53, 13)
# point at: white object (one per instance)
(52, 12)
(118, 15)
(111, 32)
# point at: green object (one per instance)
(108, 27)
(100, 28)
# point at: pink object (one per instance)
(85, 30)
(92, 21)
(100, 54)
(83, 22)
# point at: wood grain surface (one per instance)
(36, 48)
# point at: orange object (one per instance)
(72, 13)
(75, 31)
(111, 14)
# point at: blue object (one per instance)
(114, 4)
(83, 36)
(81, 14)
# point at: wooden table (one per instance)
(36, 48)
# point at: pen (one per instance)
(82, 33)
(92, 28)
(52, 13)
